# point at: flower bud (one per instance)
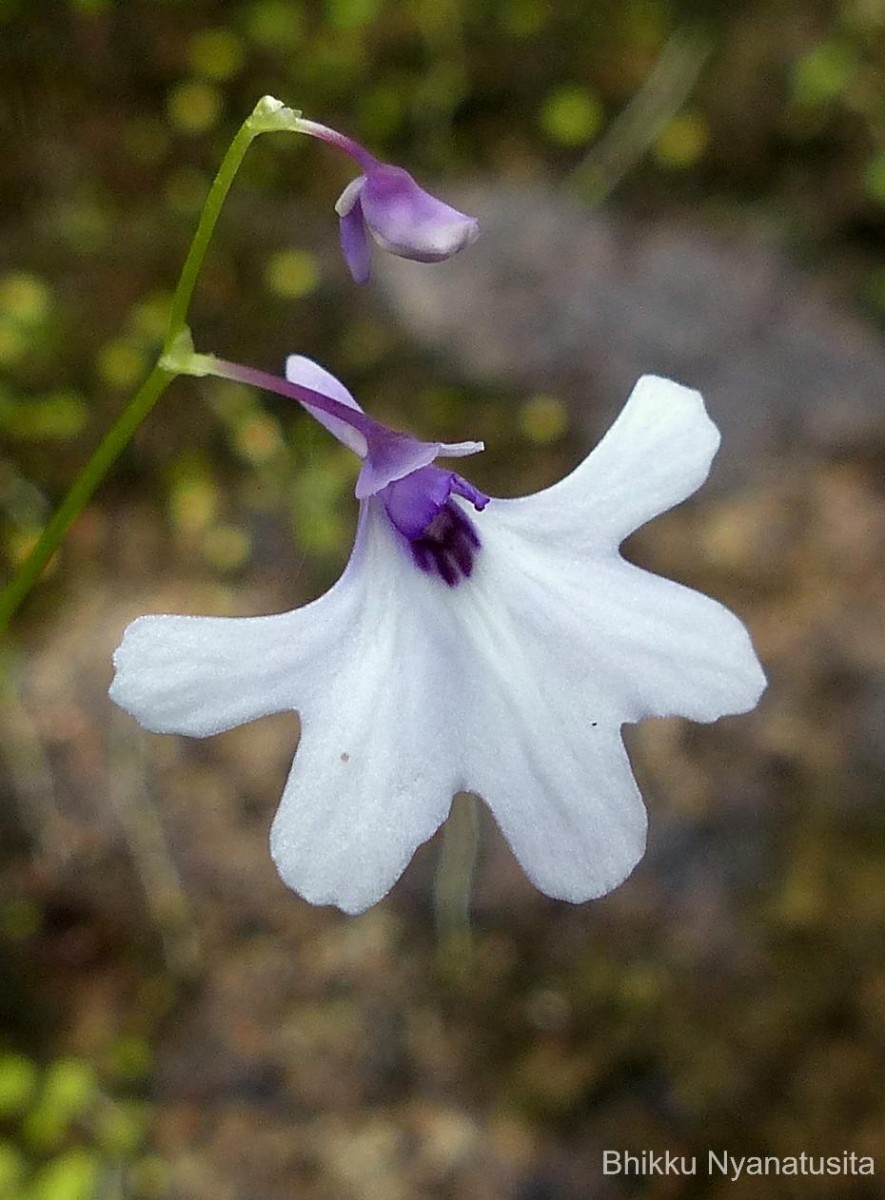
(402, 218)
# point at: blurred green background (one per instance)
(174, 1023)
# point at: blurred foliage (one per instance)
(117, 116)
(64, 1136)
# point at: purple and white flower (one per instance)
(385, 200)
(471, 644)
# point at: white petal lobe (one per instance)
(201, 675)
(377, 764)
(657, 453)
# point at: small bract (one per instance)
(471, 644)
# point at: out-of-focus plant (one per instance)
(121, 359)
(837, 105)
(840, 77)
(68, 1132)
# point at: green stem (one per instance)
(205, 228)
(454, 883)
(268, 116)
(114, 441)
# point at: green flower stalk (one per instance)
(269, 116)
(403, 218)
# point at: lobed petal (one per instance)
(202, 675)
(377, 761)
(199, 676)
(355, 243)
(637, 645)
(407, 221)
(350, 197)
(306, 373)
(567, 804)
(388, 454)
(459, 449)
(547, 759)
(562, 653)
(392, 456)
(377, 764)
(657, 453)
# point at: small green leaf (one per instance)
(824, 73)
(12, 1171)
(571, 115)
(18, 1084)
(70, 1176)
(874, 177)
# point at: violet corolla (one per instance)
(471, 644)
(385, 200)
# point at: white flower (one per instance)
(510, 680)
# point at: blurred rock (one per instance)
(560, 298)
